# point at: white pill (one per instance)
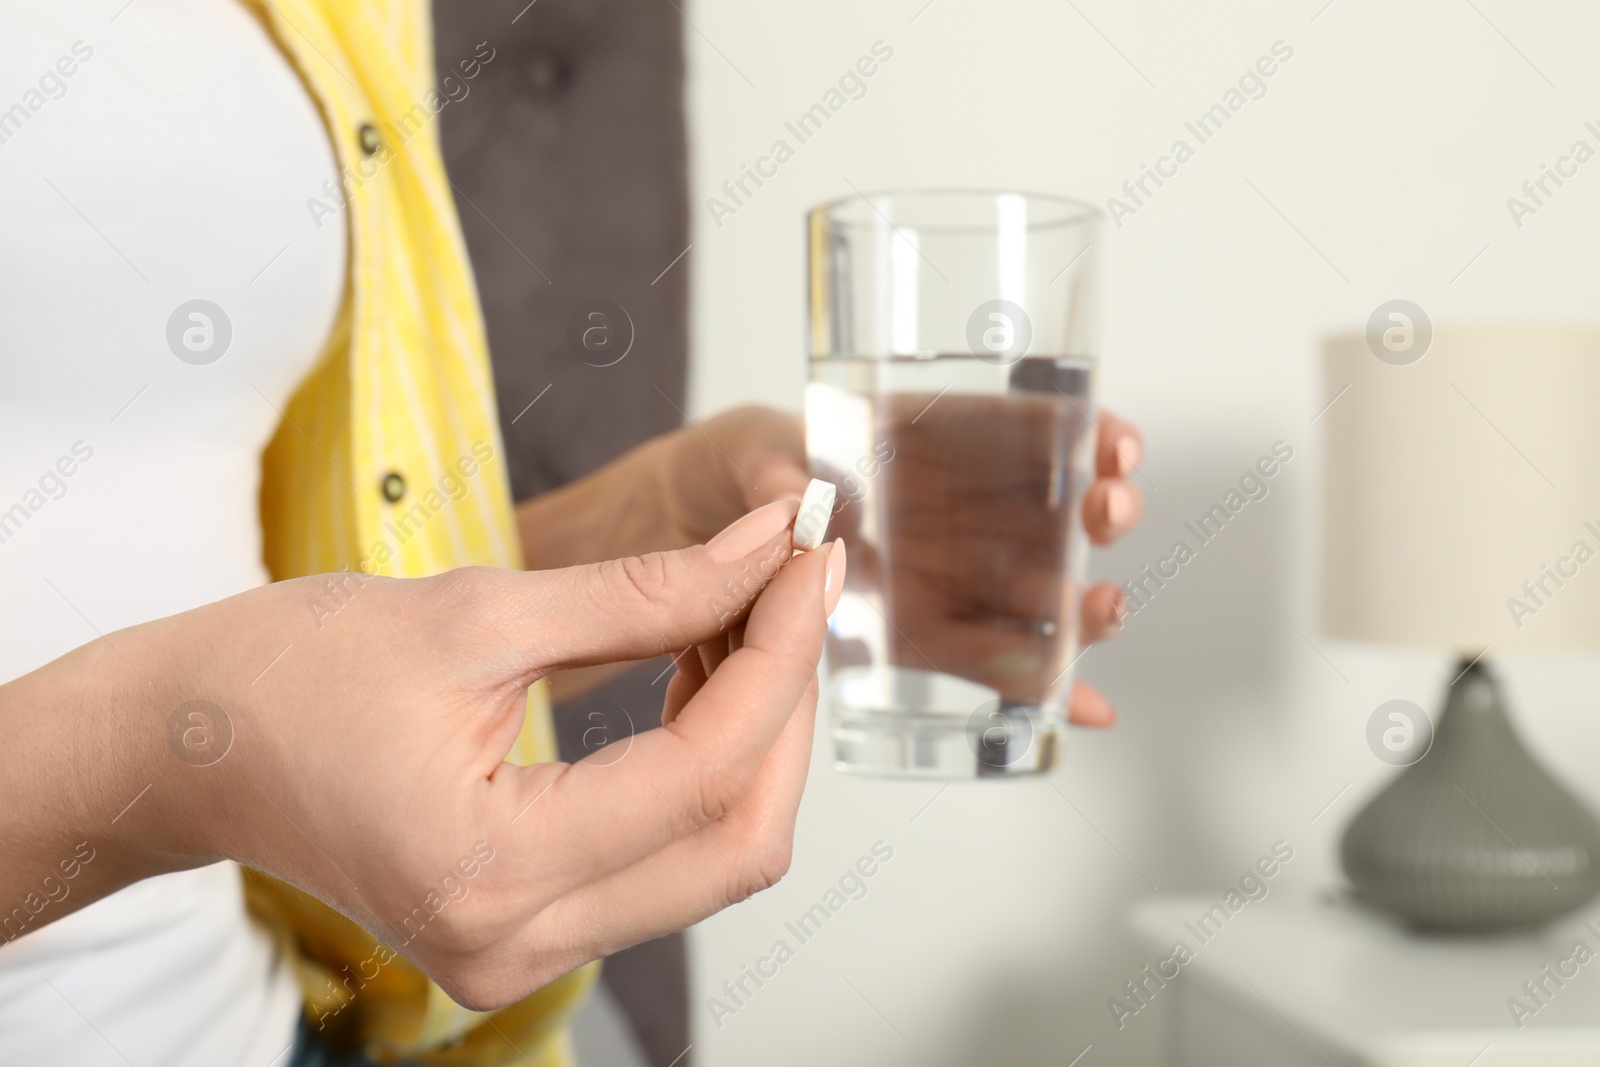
(816, 508)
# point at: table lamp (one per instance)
(1461, 511)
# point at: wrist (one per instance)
(84, 758)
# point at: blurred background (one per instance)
(1375, 166)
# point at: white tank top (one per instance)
(152, 155)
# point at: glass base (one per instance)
(1006, 741)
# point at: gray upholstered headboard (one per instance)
(568, 156)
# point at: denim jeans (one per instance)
(311, 1050)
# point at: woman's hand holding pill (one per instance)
(414, 694)
(676, 489)
(751, 455)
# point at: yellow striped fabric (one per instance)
(401, 397)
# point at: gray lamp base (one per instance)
(1475, 835)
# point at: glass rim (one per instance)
(1076, 211)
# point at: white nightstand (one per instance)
(1285, 983)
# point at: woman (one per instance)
(239, 326)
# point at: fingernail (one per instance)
(752, 531)
(1119, 505)
(1129, 453)
(1119, 609)
(1091, 709)
(833, 580)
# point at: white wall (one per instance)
(1391, 141)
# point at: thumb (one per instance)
(644, 606)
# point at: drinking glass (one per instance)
(951, 401)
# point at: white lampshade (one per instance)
(1461, 501)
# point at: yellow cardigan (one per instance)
(388, 460)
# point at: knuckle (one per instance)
(438, 926)
(760, 866)
(721, 787)
(452, 593)
(468, 986)
(772, 861)
(642, 581)
(754, 413)
(462, 580)
(461, 928)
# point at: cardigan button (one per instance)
(367, 136)
(547, 74)
(394, 487)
